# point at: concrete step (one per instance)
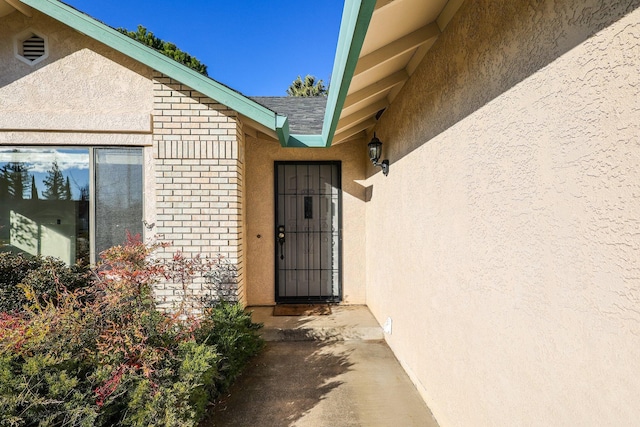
(345, 323)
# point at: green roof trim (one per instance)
(307, 141)
(159, 62)
(282, 129)
(353, 28)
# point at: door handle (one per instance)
(281, 239)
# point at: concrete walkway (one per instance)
(322, 371)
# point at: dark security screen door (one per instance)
(308, 226)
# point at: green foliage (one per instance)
(235, 336)
(307, 87)
(43, 274)
(103, 354)
(166, 48)
(44, 390)
(13, 269)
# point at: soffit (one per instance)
(9, 6)
(400, 34)
(5, 8)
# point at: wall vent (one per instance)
(31, 47)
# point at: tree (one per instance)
(34, 189)
(67, 190)
(308, 87)
(84, 193)
(166, 48)
(54, 184)
(4, 184)
(15, 179)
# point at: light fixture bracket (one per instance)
(384, 165)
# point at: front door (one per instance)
(308, 229)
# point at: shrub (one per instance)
(105, 355)
(235, 336)
(44, 274)
(14, 268)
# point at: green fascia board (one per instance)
(353, 30)
(157, 61)
(356, 17)
(282, 129)
(307, 141)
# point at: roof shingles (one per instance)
(305, 114)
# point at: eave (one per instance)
(355, 20)
(353, 30)
(159, 62)
(379, 47)
(400, 34)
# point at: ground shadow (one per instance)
(281, 385)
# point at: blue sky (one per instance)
(73, 163)
(257, 47)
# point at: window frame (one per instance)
(93, 255)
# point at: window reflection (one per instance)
(44, 202)
(45, 196)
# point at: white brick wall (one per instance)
(198, 155)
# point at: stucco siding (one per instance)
(81, 86)
(506, 234)
(260, 235)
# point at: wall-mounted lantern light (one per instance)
(375, 152)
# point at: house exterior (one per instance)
(150, 147)
(501, 250)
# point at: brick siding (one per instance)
(198, 156)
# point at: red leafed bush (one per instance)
(105, 354)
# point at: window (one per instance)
(118, 195)
(47, 195)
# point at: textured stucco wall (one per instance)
(259, 201)
(507, 234)
(81, 86)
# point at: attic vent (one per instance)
(31, 47)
